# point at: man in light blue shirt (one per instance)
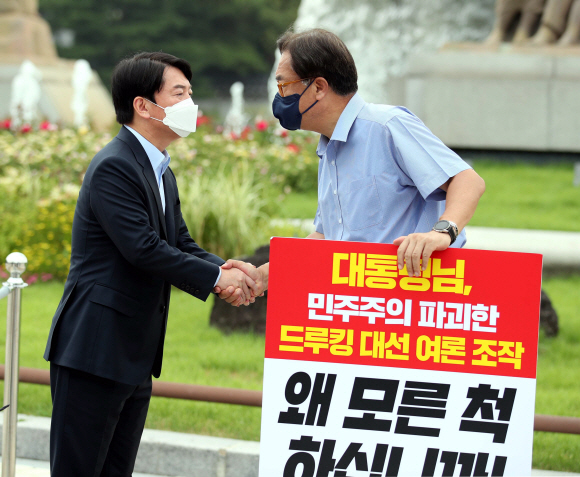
(380, 175)
(383, 176)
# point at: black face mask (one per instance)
(287, 109)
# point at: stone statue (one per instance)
(26, 94)
(554, 21)
(23, 33)
(571, 35)
(236, 119)
(559, 24)
(507, 11)
(20, 6)
(82, 76)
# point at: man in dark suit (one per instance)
(129, 245)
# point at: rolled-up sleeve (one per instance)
(422, 156)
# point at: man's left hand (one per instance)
(416, 249)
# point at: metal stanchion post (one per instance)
(15, 265)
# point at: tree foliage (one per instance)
(224, 40)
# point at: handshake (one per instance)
(241, 282)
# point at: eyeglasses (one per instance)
(281, 85)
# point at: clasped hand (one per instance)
(241, 283)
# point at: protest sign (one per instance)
(369, 372)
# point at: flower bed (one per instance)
(41, 172)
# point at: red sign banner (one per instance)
(471, 311)
(370, 372)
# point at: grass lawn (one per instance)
(558, 379)
(196, 353)
(518, 195)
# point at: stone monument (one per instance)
(554, 21)
(24, 35)
(524, 13)
(519, 90)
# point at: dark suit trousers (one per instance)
(96, 424)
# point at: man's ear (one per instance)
(321, 88)
(141, 107)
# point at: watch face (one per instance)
(441, 225)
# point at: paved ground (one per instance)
(37, 468)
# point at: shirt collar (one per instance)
(159, 160)
(345, 122)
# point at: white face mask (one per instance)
(181, 117)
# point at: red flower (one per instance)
(262, 125)
(32, 279)
(284, 133)
(46, 277)
(6, 124)
(26, 128)
(293, 148)
(245, 133)
(202, 120)
(47, 126)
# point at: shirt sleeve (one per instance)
(422, 156)
(318, 221)
(218, 278)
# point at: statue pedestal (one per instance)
(507, 99)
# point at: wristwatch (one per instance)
(447, 227)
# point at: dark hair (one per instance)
(141, 75)
(318, 52)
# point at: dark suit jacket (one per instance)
(126, 254)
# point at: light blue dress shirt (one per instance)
(379, 175)
(160, 162)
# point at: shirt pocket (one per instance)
(363, 207)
